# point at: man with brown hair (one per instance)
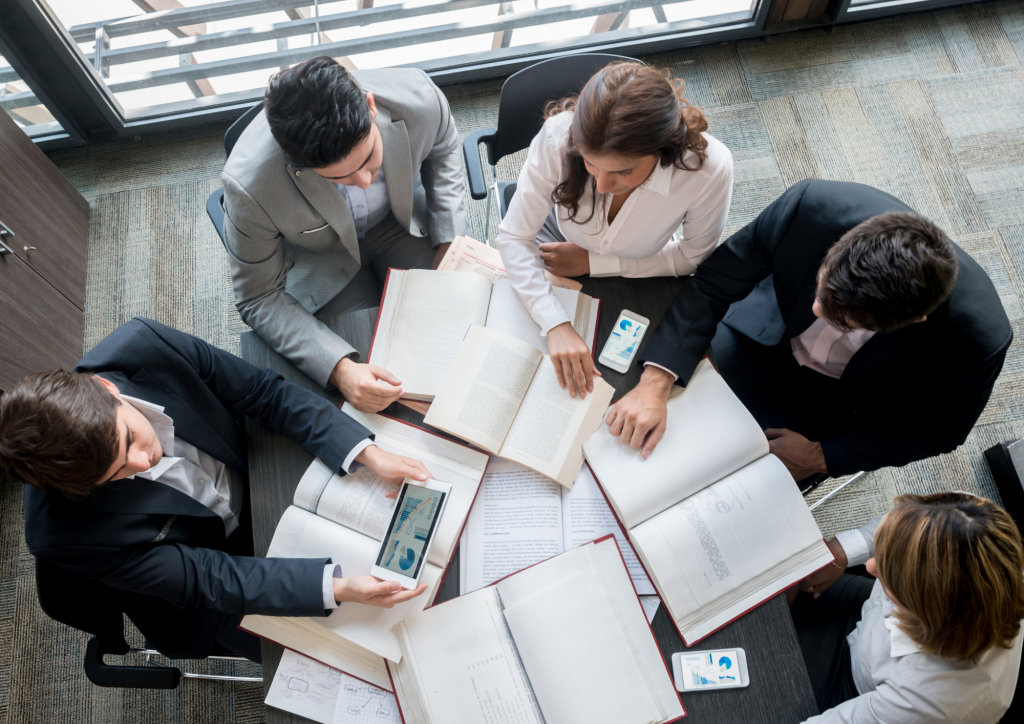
(853, 329)
(136, 467)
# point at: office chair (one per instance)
(215, 203)
(520, 117)
(94, 607)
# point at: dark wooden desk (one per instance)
(779, 692)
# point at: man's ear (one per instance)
(372, 104)
(111, 387)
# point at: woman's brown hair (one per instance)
(954, 564)
(627, 109)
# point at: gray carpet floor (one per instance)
(929, 107)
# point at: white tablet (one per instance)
(413, 524)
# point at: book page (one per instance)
(312, 485)
(469, 255)
(488, 381)
(550, 426)
(710, 434)
(458, 465)
(358, 501)
(467, 667)
(587, 517)
(507, 313)
(576, 654)
(303, 535)
(721, 537)
(515, 522)
(431, 318)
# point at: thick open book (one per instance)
(520, 518)
(344, 518)
(466, 254)
(563, 641)
(424, 316)
(717, 521)
(502, 395)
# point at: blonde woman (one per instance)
(606, 185)
(937, 636)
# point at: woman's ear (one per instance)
(111, 387)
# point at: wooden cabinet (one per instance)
(42, 287)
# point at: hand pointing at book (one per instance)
(571, 358)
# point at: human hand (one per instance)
(391, 467)
(574, 365)
(800, 456)
(817, 582)
(439, 255)
(373, 591)
(565, 259)
(641, 416)
(368, 388)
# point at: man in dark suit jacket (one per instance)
(137, 467)
(852, 328)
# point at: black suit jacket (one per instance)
(914, 393)
(111, 535)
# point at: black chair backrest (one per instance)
(236, 128)
(524, 95)
(81, 603)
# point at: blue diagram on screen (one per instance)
(411, 530)
(711, 674)
(623, 340)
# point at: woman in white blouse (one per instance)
(937, 637)
(606, 184)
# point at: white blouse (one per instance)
(641, 242)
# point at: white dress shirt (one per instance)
(641, 242)
(209, 481)
(898, 684)
(368, 206)
(827, 350)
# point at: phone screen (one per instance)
(623, 341)
(412, 524)
(710, 670)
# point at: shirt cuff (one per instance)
(856, 547)
(329, 603)
(655, 364)
(604, 265)
(351, 458)
(548, 314)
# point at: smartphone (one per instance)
(707, 670)
(413, 523)
(624, 341)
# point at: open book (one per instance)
(717, 521)
(424, 315)
(521, 518)
(344, 518)
(466, 254)
(502, 395)
(563, 641)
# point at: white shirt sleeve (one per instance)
(530, 207)
(856, 547)
(702, 227)
(351, 457)
(328, 588)
(674, 375)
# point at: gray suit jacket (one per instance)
(290, 236)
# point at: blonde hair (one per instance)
(954, 564)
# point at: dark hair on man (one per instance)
(317, 112)
(886, 273)
(58, 432)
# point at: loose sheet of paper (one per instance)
(362, 703)
(306, 687)
(650, 604)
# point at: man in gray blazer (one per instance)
(342, 176)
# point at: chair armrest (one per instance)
(128, 677)
(474, 164)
